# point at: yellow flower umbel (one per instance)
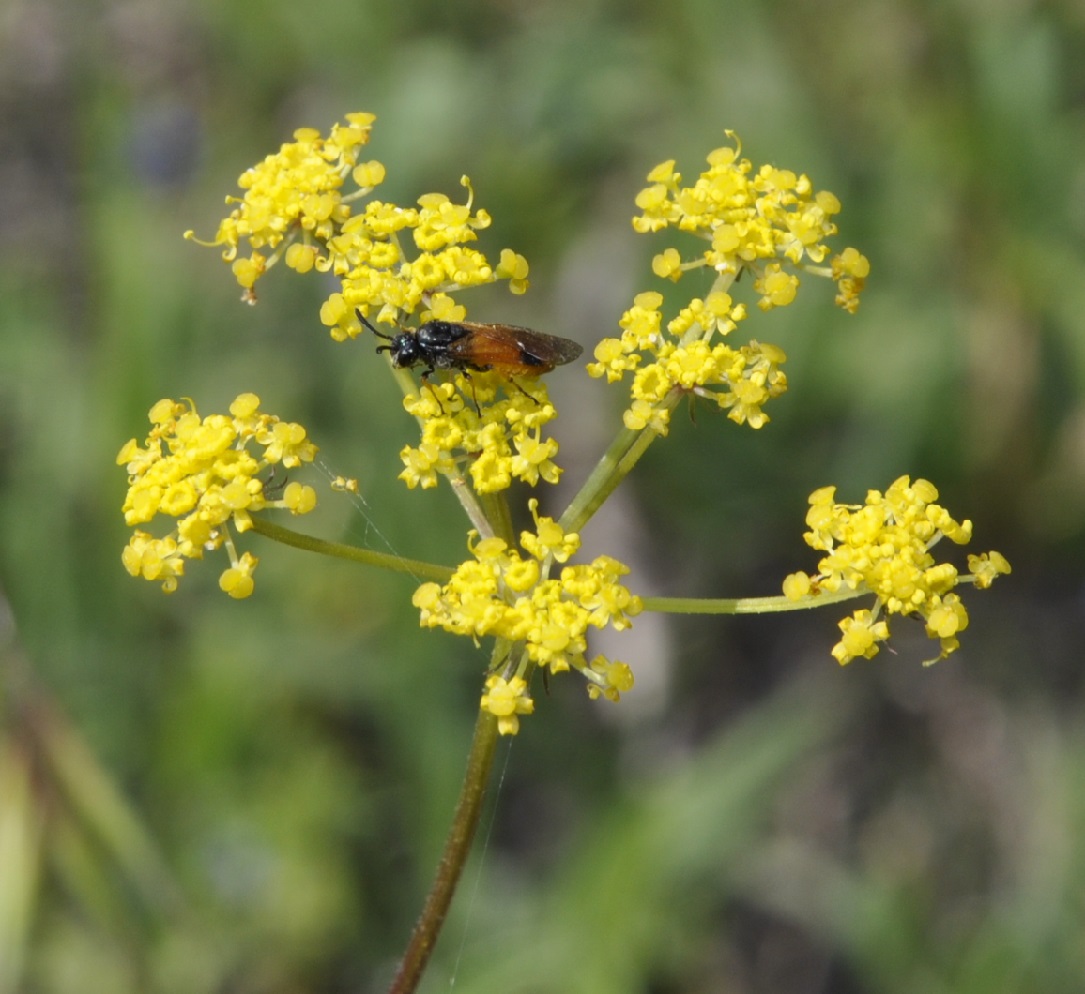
(496, 442)
(204, 473)
(502, 593)
(293, 201)
(393, 264)
(769, 223)
(295, 209)
(884, 546)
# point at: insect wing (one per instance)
(515, 350)
(488, 346)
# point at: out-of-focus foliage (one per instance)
(204, 795)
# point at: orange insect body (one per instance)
(507, 349)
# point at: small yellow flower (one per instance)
(797, 586)
(861, 637)
(507, 700)
(985, 568)
(286, 443)
(777, 287)
(299, 499)
(850, 270)
(513, 267)
(548, 539)
(154, 559)
(237, 580)
(668, 264)
(612, 679)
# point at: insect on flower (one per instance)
(507, 349)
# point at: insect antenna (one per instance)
(379, 334)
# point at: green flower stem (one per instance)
(614, 466)
(457, 847)
(746, 605)
(627, 448)
(472, 506)
(602, 481)
(397, 564)
(476, 512)
(496, 508)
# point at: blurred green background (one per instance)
(198, 795)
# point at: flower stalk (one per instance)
(457, 848)
(745, 605)
(415, 568)
(616, 463)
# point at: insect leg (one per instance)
(474, 397)
(529, 396)
(426, 373)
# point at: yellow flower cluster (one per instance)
(294, 209)
(771, 224)
(502, 593)
(686, 360)
(884, 546)
(296, 191)
(202, 472)
(759, 222)
(498, 440)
